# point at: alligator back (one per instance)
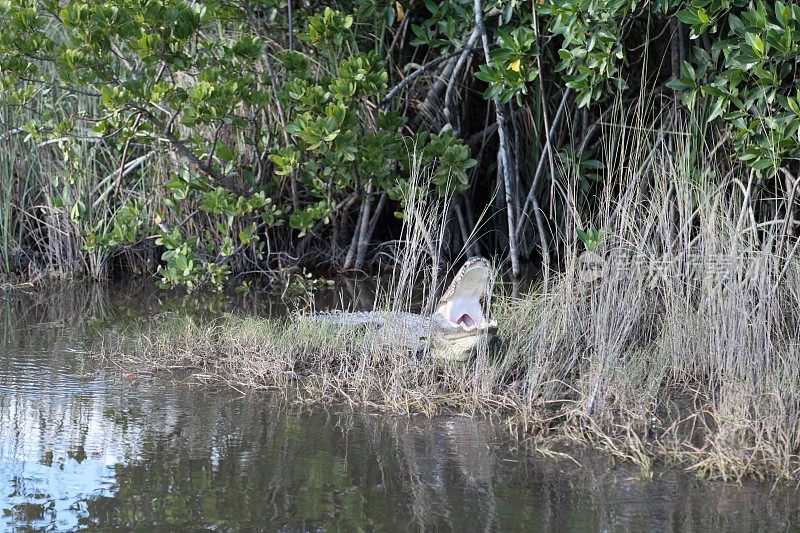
(367, 318)
(390, 328)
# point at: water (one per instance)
(88, 449)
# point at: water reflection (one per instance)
(86, 449)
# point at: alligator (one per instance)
(450, 334)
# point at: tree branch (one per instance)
(416, 74)
(505, 158)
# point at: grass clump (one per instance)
(677, 335)
(321, 361)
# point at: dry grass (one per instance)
(688, 345)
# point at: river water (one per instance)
(87, 448)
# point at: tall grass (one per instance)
(7, 156)
(54, 207)
(687, 343)
(682, 345)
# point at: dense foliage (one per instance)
(205, 138)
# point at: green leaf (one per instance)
(688, 70)
(688, 16)
(762, 164)
(756, 44)
(584, 99)
(716, 110)
(224, 152)
(679, 85)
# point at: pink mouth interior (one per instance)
(466, 320)
(465, 311)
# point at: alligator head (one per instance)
(459, 320)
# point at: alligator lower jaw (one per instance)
(454, 350)
(457, 345)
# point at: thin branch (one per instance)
(124, 170)
(125, 151)
(290, 18)
(373, 223)
(427, 67)
(460, 64)
(184, 150)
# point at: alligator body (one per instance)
(450, 334)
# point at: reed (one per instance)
(60, 197)
(682, 341)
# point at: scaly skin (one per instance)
(448, 341)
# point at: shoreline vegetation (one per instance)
(637, 160)
(673, 337)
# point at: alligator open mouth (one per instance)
(461, 304)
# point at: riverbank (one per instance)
(106, 450)
(685, 392)
(670, 335)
